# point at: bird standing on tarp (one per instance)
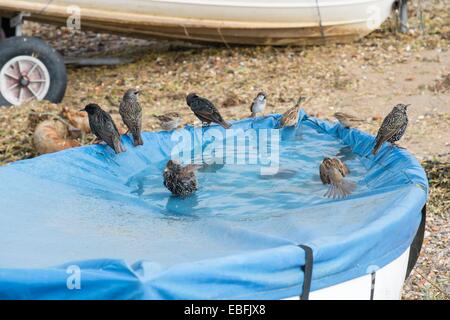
(393, 127)
(258, 104)
(290, 117)
(131, 112)
(103, 126)
(332, 172)
(179, 179)
(169, 121)
(348, 120)
(205, 110)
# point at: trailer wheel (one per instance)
(30, 70)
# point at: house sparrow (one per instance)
(131, 113)
(258, 104)
(347, 120)
(205, 110)
(332, 172)
(103, 126)
(169, 121)
(290, 117)
(393, 127)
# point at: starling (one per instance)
(332, 172)
(205, 110)
(131, 113)
(258, 104)
(169, 121)
(393, 127)
(347, 120)
(290, 117)
(103, 126)
(180, 180)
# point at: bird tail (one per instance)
(225, 124)
(118, 147)
(340, 189)
(378, 145)
(137, 139)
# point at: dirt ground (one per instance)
(365, 78)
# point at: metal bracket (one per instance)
(17, 21)
(403, 15)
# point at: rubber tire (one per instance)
(33, 46)
(416, 245)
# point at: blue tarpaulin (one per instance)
(85, 223)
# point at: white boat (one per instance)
(258, 22)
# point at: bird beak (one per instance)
(407, 105)
(137, 92)
(82, 110)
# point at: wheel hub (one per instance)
(24, 81)
(24, 78)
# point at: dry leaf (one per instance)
(51, 136)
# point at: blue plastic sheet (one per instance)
(107, 220)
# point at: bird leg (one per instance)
(97, 141)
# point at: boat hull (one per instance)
(287, 22)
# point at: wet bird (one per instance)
(169, 121)
(131, 112)
(290, 117)
(179, 179)
(258, 104)
(103, 126)
(393, 127)
(205, 110)
(348, 120)
(332, 172)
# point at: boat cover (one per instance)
(73, 225)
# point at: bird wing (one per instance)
(205, 109)
(203, 105)
(387, 130)
(131, 114)
(290, 116)
(173, 115)
(343, 116)
(162, 118)
(324, 172)
(252, 104)
(110, 131)
(92, 125)
(111, 124)
(341, 166)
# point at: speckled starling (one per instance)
(179, 179)
(393, 127)
(103, 126)
(169, 121)
(348, 120)
(131, 112)
(332, 172)
(258, 104)
(205, 110)
(290, 117)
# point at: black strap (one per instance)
(373, 276)
(307, 270)
(416, 245)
